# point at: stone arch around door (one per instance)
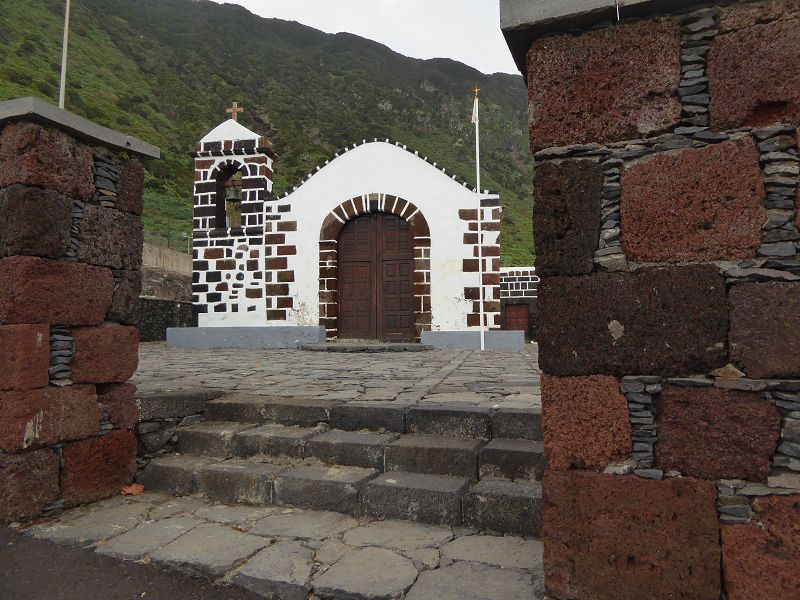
(332, 226)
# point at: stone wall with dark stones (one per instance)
(156, 315)
(70, 256)
(666, 219)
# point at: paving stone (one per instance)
(174, 473)
(304, 525)
(507, 552)
(282, 570)
(367, 574)
(209, 550)
(273, 439)
(519, 423)
(469, 581)
(353, 416)
(512, 459)
(424, 558)
(434, 499)
(330, 551)
(323, 487)
(94, 526)
(398, 535)
(450, 420)
(504, 507)
(213, 438)
(147, 537)
(235, 515)
(354, 448)
(435, 455)
(183, 506)
(238, 482)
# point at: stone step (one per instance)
(434, 455)
(512, 459)
(263, 409)
(354, 448)
(503, 506)
(212, 438)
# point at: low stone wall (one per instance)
(155, 316)
(71, 242)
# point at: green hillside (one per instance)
(164, 70)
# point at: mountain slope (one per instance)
(164, 70)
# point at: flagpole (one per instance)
(476, 118)
(63, 87)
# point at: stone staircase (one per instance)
(445, 464)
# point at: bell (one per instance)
(233, 193)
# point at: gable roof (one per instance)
(229, 130)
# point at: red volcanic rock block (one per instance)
(125, 301)
(131, 187)
(627, 538)
(760, 558)
(34, 155)
(765, 329)
(24, 356)
(716, 433)
(566, 220)
(34, 221)
(670, 321)
(105, 354)
(110, 238)
(585, 421)
(118, 399)
(35, 290)
(29, 482)
(98, 467)
(34, 418)
(754, 67)
(697, 205)
(607, 85)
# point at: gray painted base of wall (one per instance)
(244, 337)
(471, 340)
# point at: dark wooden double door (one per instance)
(376, 279)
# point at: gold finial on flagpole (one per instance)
(234, 111)
(476, 91)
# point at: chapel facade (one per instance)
(378, 243)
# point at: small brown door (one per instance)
(376, 279)
(517, 318)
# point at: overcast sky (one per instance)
(464, 30)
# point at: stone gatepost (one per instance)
(666, 223)
(70, 254)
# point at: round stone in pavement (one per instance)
(282, 570)
(398, 535)
(471, 581)
(367, 574)
(507, 552)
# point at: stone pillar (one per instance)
(70, 253)
(666, 223)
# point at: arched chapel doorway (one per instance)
(376, 278)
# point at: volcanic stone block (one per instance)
(354, 416)
(34, 290)
(612, 84)
(282, 570)
(41, 157)
(45, 416)
(165, 405)
(566, 220)
(125, 301)
(765, 329)
(512, 459)
(367, 573)
(586, 422)
(24, 356)
(513, 507)
(105, 354)
(130, 190)
(701, 204)
(214, 438)
(297, 411)
(434, 499)
(760, 558)
(34, 221)
(754, 69)
(323, 488)
(118, 400)
(98, 467)
(173, 473)
(518, 423)
(29, 482)
(624, 538)
(274, 440)
(672, 321)
(355, 448)
(435, 455)
(716, 433)
(110, 238)
(237, 407)
(450, 420)
(238, 482)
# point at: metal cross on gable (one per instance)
(234, 111)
